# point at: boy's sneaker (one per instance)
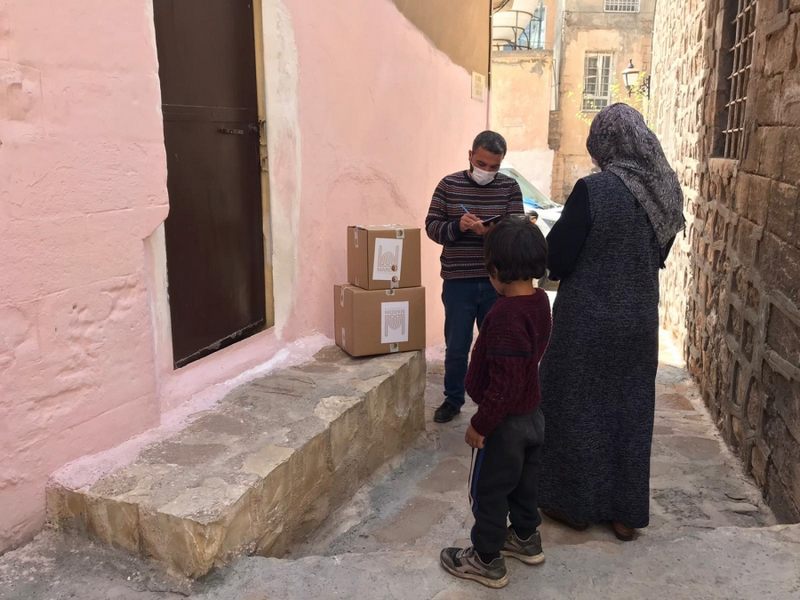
(528, 551)
(466, 564)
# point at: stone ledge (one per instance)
(261, 470)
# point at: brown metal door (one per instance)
(215, 247)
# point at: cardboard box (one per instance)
(371, 322)
(383, 257)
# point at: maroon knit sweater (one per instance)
(503, 376)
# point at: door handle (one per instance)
(228, 131)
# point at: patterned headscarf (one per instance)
(620, 142)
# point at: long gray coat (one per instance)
(598, 374)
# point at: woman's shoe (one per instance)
(623, 532)
(564, 519)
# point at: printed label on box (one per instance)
(388, 260)
(394, 322)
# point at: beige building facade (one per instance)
(598, 38)
(524, 82)
(522, 79)
(547, 85)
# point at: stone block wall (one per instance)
(732, 289)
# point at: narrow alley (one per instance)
(711, 536)
(235, 236)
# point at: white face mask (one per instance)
(482, 177)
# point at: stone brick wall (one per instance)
(735, 276)
(676, 113)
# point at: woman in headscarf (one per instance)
(598, 374)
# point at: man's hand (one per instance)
(473, 438)
(470, 222)
(480, 228)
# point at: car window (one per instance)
(532, 197)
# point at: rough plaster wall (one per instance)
(520, 106)
(84, 197)
(284, 142)
(743, 272)
(535, 165)
(453, 26)
(520, 110)
(83, 184)
(379, 130)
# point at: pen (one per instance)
(464, 208)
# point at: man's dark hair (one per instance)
(491, 141)
(515, 250)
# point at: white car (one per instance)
(534, 199)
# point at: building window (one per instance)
(622, 6)
(596, 81)
(742, 34)
(533, 36)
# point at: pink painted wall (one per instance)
(83, 184)
(380, 128)
(372, 116)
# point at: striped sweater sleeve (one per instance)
(515, 206)
(438, 226)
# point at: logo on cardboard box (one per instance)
(394, 322)
(388, 259)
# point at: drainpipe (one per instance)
(489, 66)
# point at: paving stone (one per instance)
(695, 448)
(674, 402)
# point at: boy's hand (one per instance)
(473, 438)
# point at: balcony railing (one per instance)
(521, 27)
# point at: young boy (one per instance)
(507, 432)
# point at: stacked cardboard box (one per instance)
(382, 309)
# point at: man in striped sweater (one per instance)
(459, 216)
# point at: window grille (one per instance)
(743, 26)
(622, 6)
(533, 36)
(596, 82)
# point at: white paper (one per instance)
(387, 261)
(394, 322)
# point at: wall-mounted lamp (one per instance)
(631, 78)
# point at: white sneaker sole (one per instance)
(528, 560)
(490, 583)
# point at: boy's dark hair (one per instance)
(532, 213)
(514, 250)
(491, 141)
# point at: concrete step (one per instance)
(261, 470)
